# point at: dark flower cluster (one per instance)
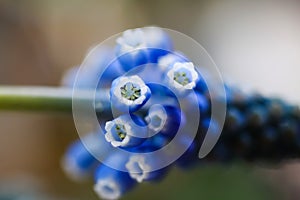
(259, 129)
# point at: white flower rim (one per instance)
(159, 111)
(135, 80)
(165, 61)
(187, 66)
(142, 164)
(132, 35)
(109, 136)
(101, 190)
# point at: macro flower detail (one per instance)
(182, 77)
(129, 93)
(125, 131)
(154, 101)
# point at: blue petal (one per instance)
(132, 59)
(112, 183)
(79, 161)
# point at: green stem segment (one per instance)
(38, 98)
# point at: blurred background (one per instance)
(255, 44)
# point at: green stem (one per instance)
(39, 98)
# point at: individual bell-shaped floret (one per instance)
(129, 93)
(126, 131)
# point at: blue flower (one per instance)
(112, 183)
(129, 93)
(126, 131)
(170, 87)
(142, 45)
(182, 78)
(78, 162)
(141, 168)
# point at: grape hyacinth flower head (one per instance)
(182, 77)
(129, 93)
(126, 131)
(149, 127)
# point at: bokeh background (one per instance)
(255, 44)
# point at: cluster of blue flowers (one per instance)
(146, 78)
